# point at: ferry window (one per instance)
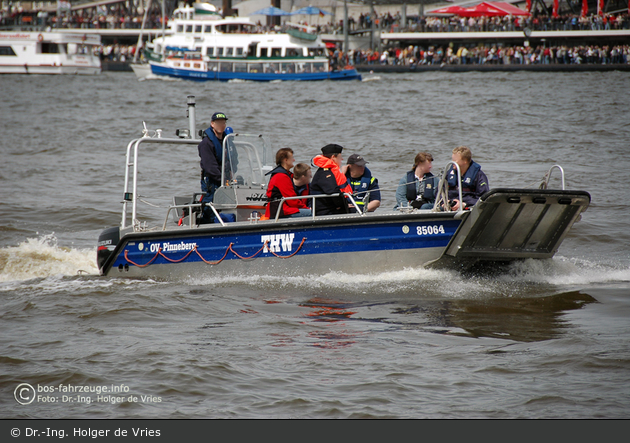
(198, 49)
(272, 68)
(255, 67)
(319, 67)
(198, 28)
(240, 67)
(210, 52)
(276, 52)
(189, 29)
(208, 29)
(293, 52)
(50, 48)
(229, 52)
(219, 52)
(6, 50)
(225, 67)
(287, 68)
(213, 66)
(180, 28)
(306, 67)
(239, 52)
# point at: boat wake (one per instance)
(43, 257)
(374, 78)
(44, 260)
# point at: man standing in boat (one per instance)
(474, 180)
(211, 153)
(328, 179)
(363, 184)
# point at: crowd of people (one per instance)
(422, 23)
(487, 54)
(341, 188)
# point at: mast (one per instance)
(144, 20)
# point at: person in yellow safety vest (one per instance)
(363, 184)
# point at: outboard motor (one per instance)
(107, 242)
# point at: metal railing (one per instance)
(441, 200)
(545, 182)
(315, 197)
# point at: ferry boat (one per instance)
(49, 53)
(203, 46)
(167, 241)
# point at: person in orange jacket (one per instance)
(328, 179)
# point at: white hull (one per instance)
(142, 70)
(49, 53)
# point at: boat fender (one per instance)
(40, 38)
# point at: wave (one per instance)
(43, 257)
(524, 278)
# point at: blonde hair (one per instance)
(464, 153)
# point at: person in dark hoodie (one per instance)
(363, 184)
(281, 184)
(474, 180)
(328, 179)
(211, 154)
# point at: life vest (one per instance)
(218, 146)
(360, 185)
(428, 186)
(468, 180)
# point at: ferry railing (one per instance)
(442, 197)
(315, 197)
(545, 182)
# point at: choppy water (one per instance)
(543, 339)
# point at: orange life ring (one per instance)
(40, 38)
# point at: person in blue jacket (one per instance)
(362, 182)
(211, 154)
(474, 180)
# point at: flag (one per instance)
(528, 5)
(600, 7)
(585, 8)
(321, 13)
(554, 13)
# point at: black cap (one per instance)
(356, 159)
(332, 149)
(218, 115)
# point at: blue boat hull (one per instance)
(187, 74)
(292, 248)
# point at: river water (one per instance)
(542, 339)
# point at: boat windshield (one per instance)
(246, 160)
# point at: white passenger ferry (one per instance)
(209, 47)
(49, 53)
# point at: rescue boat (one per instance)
(168, 241)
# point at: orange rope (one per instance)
(145, 265)
(177, 261)
(289, 256)
(212, 263)
(229, 248)
(253, 256)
